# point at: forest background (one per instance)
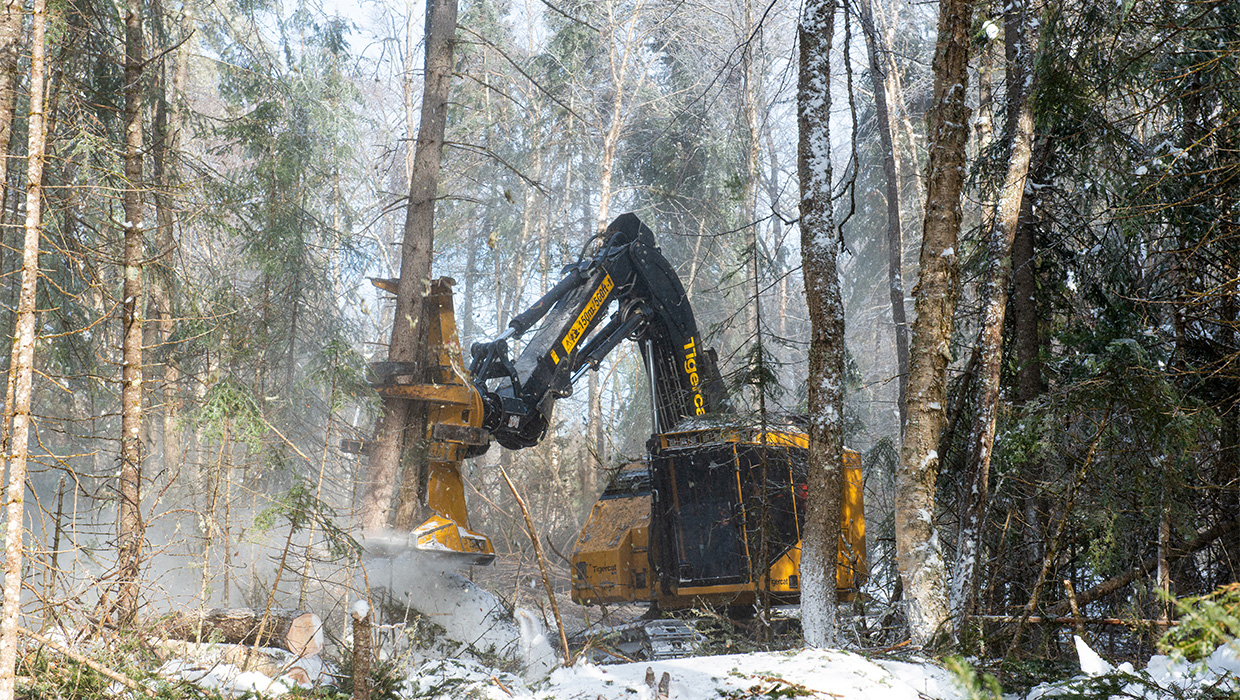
(1091, 435)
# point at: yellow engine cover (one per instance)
(610, 561)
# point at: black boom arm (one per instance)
(647, 303)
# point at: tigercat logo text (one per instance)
(587, 315)
(694, 381)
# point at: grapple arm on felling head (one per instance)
(454, 431)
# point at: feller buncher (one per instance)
(683, 527)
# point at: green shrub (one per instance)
(1204, 623)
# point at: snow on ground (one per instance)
(837, 675)
(485, 629)
(806, 673)
(813, 673)
(1163, 678)
(225, 678)
(469, 613)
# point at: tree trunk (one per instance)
(21, 366)
(129, 518)
(994, 306)
(466, 316)
(883, 87)
(751, 94)
(1026, 347)
(295, 631)
(363, 650)
(820, 245)
(167, 128)
(898, 109)
(10, 65)
(594, 435)
(611, 138)
(1026, 335)
(402, 422)
(918, 551)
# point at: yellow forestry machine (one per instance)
(682, 528)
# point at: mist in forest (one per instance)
(251, 166)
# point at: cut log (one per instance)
(273, 663)
(296, 631)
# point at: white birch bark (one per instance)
(990, 339)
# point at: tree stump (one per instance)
(363, 650)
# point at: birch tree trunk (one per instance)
(129, 517)
(919, 554)
(994, 306)
(405, 422)
(820, 245)
(884, 87)
(17, 411)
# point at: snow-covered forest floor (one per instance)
(465, 642)
(802, 673)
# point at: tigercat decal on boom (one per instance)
(690, 348)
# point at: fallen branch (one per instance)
(1065, 620)
(1059, 610)
(779, 688)
(542, 565)
(1109, 586)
